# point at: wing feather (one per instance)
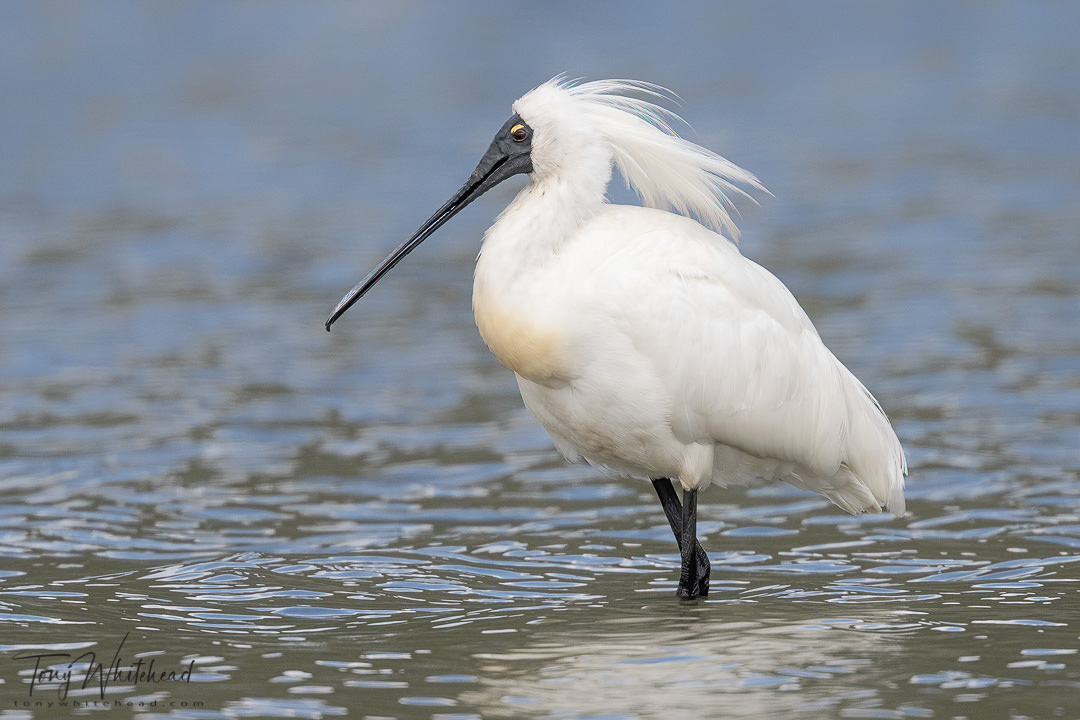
(744, 368)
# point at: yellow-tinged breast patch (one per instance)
(532, 351)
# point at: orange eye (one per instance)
(519, 133)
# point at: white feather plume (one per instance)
(665, 170)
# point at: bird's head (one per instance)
(567, 143)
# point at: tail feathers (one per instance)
(874, 453)
(871, 476)
(844, 489)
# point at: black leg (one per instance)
(694, 578)
(672, 507)
(688, 578)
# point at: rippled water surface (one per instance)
(196, 479)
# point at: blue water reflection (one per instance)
(368, 522)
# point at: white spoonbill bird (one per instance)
(642, 340)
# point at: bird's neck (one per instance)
(545, 215)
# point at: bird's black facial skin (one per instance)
(507, 156)
(510, 154)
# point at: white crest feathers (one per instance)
(665, 170)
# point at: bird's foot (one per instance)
(694, 577)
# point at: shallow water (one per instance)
(368, 523)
